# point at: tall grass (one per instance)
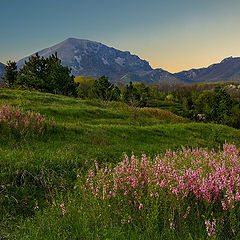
(190, 194)
(33, 170)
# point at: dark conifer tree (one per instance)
(47, 74)
(11, 73)
(105, 90)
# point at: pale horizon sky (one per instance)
(173, 35)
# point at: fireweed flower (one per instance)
(24, 122)
(171, 224)
(63, 209)
(210, 227)
(187, 212)
(209, 177)
(165, 173)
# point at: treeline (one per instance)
(136, 94)
(43, 74)
(214, 102)
(217, 103)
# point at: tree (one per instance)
(58, 77)
(105, 90)
(130, 95)
(84, 86)
(233, 119)
(11, 73)
(143, 92)
(47, 74)
(215, 106)
(202, 105)
(33, 73)
(221, 105)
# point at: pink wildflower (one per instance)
(63, 209)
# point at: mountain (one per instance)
(2, 70)
(94, 59)
(153, 76)
(227, 70)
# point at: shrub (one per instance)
(190, 194)
(23, 123)
(189, 186)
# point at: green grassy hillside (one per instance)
(32, 169)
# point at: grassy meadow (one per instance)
(39, 172)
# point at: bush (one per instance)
(170, 192)
(22, 123)
(190, 193)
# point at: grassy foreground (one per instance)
(36, 170)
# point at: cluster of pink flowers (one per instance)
(209, 177)
(211, 227)
(171, 223)
(24, 122)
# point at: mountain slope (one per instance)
(227, 70)
(93, 59)
(154, 76)
(2, 70)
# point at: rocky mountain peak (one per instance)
(94, 59)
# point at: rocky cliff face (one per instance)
(94, 59)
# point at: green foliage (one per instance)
(84, 86)
(33, 73)
(104, 90)
(136, 94)
(170, 97)
(80, 79)
(220, 106)
(233, 119)
(46, 74)
(216, 106)
(144, 93)
(33, 170)
(58, 77)
(11, 73)
(216, 102)
(130, 95)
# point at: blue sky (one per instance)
(172, 34)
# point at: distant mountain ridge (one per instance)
(2, 70)
(227, 70)
(94, 59)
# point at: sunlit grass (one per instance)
(33, 170)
